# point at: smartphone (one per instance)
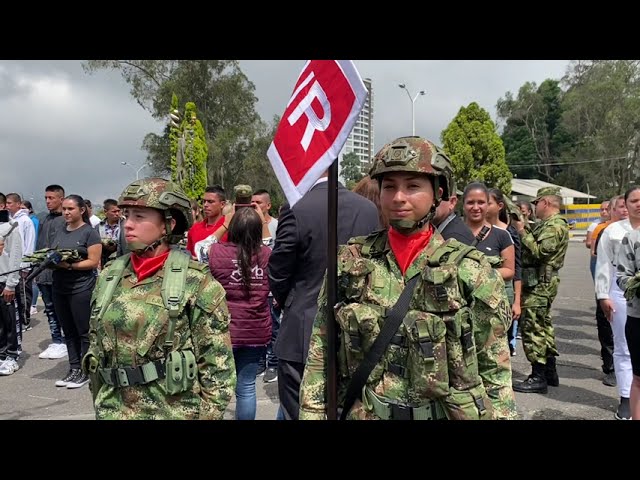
(4, 216)
(243, 205)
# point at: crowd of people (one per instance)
(168, 306)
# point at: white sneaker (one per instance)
(9, 367)
(47, 351)
(59, 351)
(34, 310)
(54, 351)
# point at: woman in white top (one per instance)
(612, 300)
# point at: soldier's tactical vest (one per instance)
(178, 368)
(534, 273)
(434, 350)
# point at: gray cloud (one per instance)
(449, 85)
(61, 125)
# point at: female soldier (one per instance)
(449, 356)
(160, 345)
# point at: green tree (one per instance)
(225, 105)
(351, 169)
(602, 110)
(476, 150)
(188, 167)
(533, 134)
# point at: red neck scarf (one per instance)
(407, 248)
(147, 266)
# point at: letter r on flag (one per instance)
(319, 117)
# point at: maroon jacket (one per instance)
(250, 314)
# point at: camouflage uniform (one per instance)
(132, 332)
(543, 251)
(450, 354)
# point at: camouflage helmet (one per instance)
(415, 154)
(162, 195)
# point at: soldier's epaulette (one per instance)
(375, 243)
(356, 240)
(201, 267)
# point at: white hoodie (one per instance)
(27, 232)
(11, 256)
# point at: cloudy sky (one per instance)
(63, 126)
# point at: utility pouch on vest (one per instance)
(546, 273)
(175, 373)
(90, 364)
(181, 372)
(529, 277)
(189, 368)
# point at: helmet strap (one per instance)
(167, 221)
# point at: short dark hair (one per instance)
(218, 190)
(88, 203)
(108, 203)
(55, 188)
(262, 191)
(27, 204)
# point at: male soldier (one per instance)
(543, 251)
(449, 357)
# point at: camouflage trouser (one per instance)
(538, 338)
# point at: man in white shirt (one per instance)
(263, 200)
(269, 364)
(611, 298)
(24, 293)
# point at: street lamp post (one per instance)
(413, 102)
(136, 170)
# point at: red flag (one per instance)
(319, 117)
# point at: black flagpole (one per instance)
(332, 298)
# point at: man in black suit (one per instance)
(296, 270)
(448, 223)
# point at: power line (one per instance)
(568, 163)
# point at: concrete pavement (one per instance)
(31, 394)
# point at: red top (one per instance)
(407, 248)
(200, 231)
(147, 266)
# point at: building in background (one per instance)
(361, 139)
(576, 206)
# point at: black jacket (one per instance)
(457, 229)
(299, 260)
